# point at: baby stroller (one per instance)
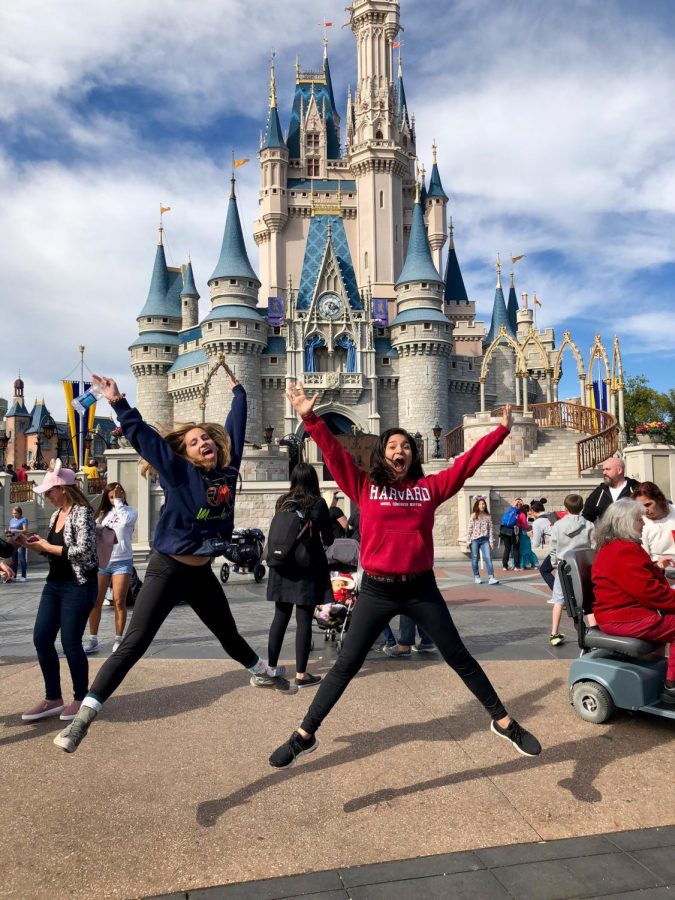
(333, 618)
(244, 553)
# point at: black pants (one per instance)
(510, 543)
(546, 572)
(378, 602)
(303, 633)
(166, 582)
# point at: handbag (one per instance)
(105, 541)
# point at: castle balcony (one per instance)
(345, 386)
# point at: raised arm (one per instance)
(235, 424)
(450, 480)
(350, 477)
(143, 438)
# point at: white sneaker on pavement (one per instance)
(493, 580)
(90, 644)
(477, 579)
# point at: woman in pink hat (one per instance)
(69, 592)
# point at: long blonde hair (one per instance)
(176, 440)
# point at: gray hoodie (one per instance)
(569, 533)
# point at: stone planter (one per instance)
(649, 438)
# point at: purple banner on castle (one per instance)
(275, 310)
(381, 313)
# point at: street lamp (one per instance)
(268, 431)
(437, 437)
(47, 431)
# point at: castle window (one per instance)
(406, 287)
(185, 374)
(381, 332)
(427, 326)
(313, 168)
(197, 371)
(274, 190)
(454, 364)
(216, 283)
(250, 284)
(304, 193)
(173, 376)
(381, 199)
(210, 325)
(470, 366)
(365, 260)
(276, 330)
(165, 321)
(378, 135)
(148, 319)
(424, 284)
(350, 196)
(313, 141)
(146, 349)
(447, 328)
(256, 327)
(167, 349)
(185, 303)
(404, 327)
(274, 360)
(233, 324)
(233, 281)
(386, 361)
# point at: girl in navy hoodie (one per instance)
(197, 467)
(397, 503)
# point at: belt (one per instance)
(393, 579)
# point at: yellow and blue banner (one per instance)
(76, 427)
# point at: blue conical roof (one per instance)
(499, 317)
(512, 307)
(233, 261)
(435, 186)
(455, 292)
(402, 106)
(189, 288)
(418, 264)
(273, 135)
(159, 285)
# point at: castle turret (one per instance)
(234, 330)
(16, 422)
(436, 208)
(500, 315)
(273, 199)
(422, 335)
(382, 165)
(156, 347)
(189, 299)
(512, 307)
(502, 386)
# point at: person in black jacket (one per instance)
(291, 584)
(615, 486)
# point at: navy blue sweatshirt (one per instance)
(198, 511)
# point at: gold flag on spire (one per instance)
(163, 209)
(514, 259)
(239, 162)
(537, 301)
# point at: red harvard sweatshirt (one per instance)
(397, 521)
(627, 585)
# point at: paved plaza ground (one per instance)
(409, 795)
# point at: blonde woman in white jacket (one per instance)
(114, 512)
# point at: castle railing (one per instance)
(21, 492)
(454, 442)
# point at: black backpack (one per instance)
(290, 529)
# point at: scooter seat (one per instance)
(594, 639)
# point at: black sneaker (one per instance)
(668, 694)
(522, 740)
(295, 746)
(277, 682)
(308, 681)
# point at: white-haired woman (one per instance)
(632, 595)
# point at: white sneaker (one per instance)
(90, 644)
(118, 641)
(20, 577)
(477, 579)
(493, 580)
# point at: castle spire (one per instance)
(418, 265)
(233, 261)
(499, 314)
(512, 306)
(159, 283)
(435, 186)
(455, 292)
(189, 287)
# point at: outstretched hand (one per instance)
(231, 377)
(108, 388)
(507, 417)
(300, 402)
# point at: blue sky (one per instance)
(555, 139)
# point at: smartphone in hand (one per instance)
(32, 538)
(229, 371)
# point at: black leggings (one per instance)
(303, 634)
(166, 582)
(379, 602)
(511, 543)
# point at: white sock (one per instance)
(92, 703)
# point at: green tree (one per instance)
(643, 403)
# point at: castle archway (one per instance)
(503, 337)
(557, 367)
(533, 339)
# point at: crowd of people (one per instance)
(392, 516)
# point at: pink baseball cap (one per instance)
(57, 477)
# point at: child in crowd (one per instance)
(569, 533)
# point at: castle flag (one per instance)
(381, 313)
(239, 162)
(514, 259)
(275, 311)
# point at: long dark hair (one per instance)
(106, 505)
(381, 473)
(652, 492)
(304, 487)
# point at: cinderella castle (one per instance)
(355, 294)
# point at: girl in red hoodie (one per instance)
(397, 503)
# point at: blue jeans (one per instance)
(481, 546)
(19, 559)
(64, 605)
(406, 633)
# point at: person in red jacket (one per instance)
(397, 503)
(632, 594)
